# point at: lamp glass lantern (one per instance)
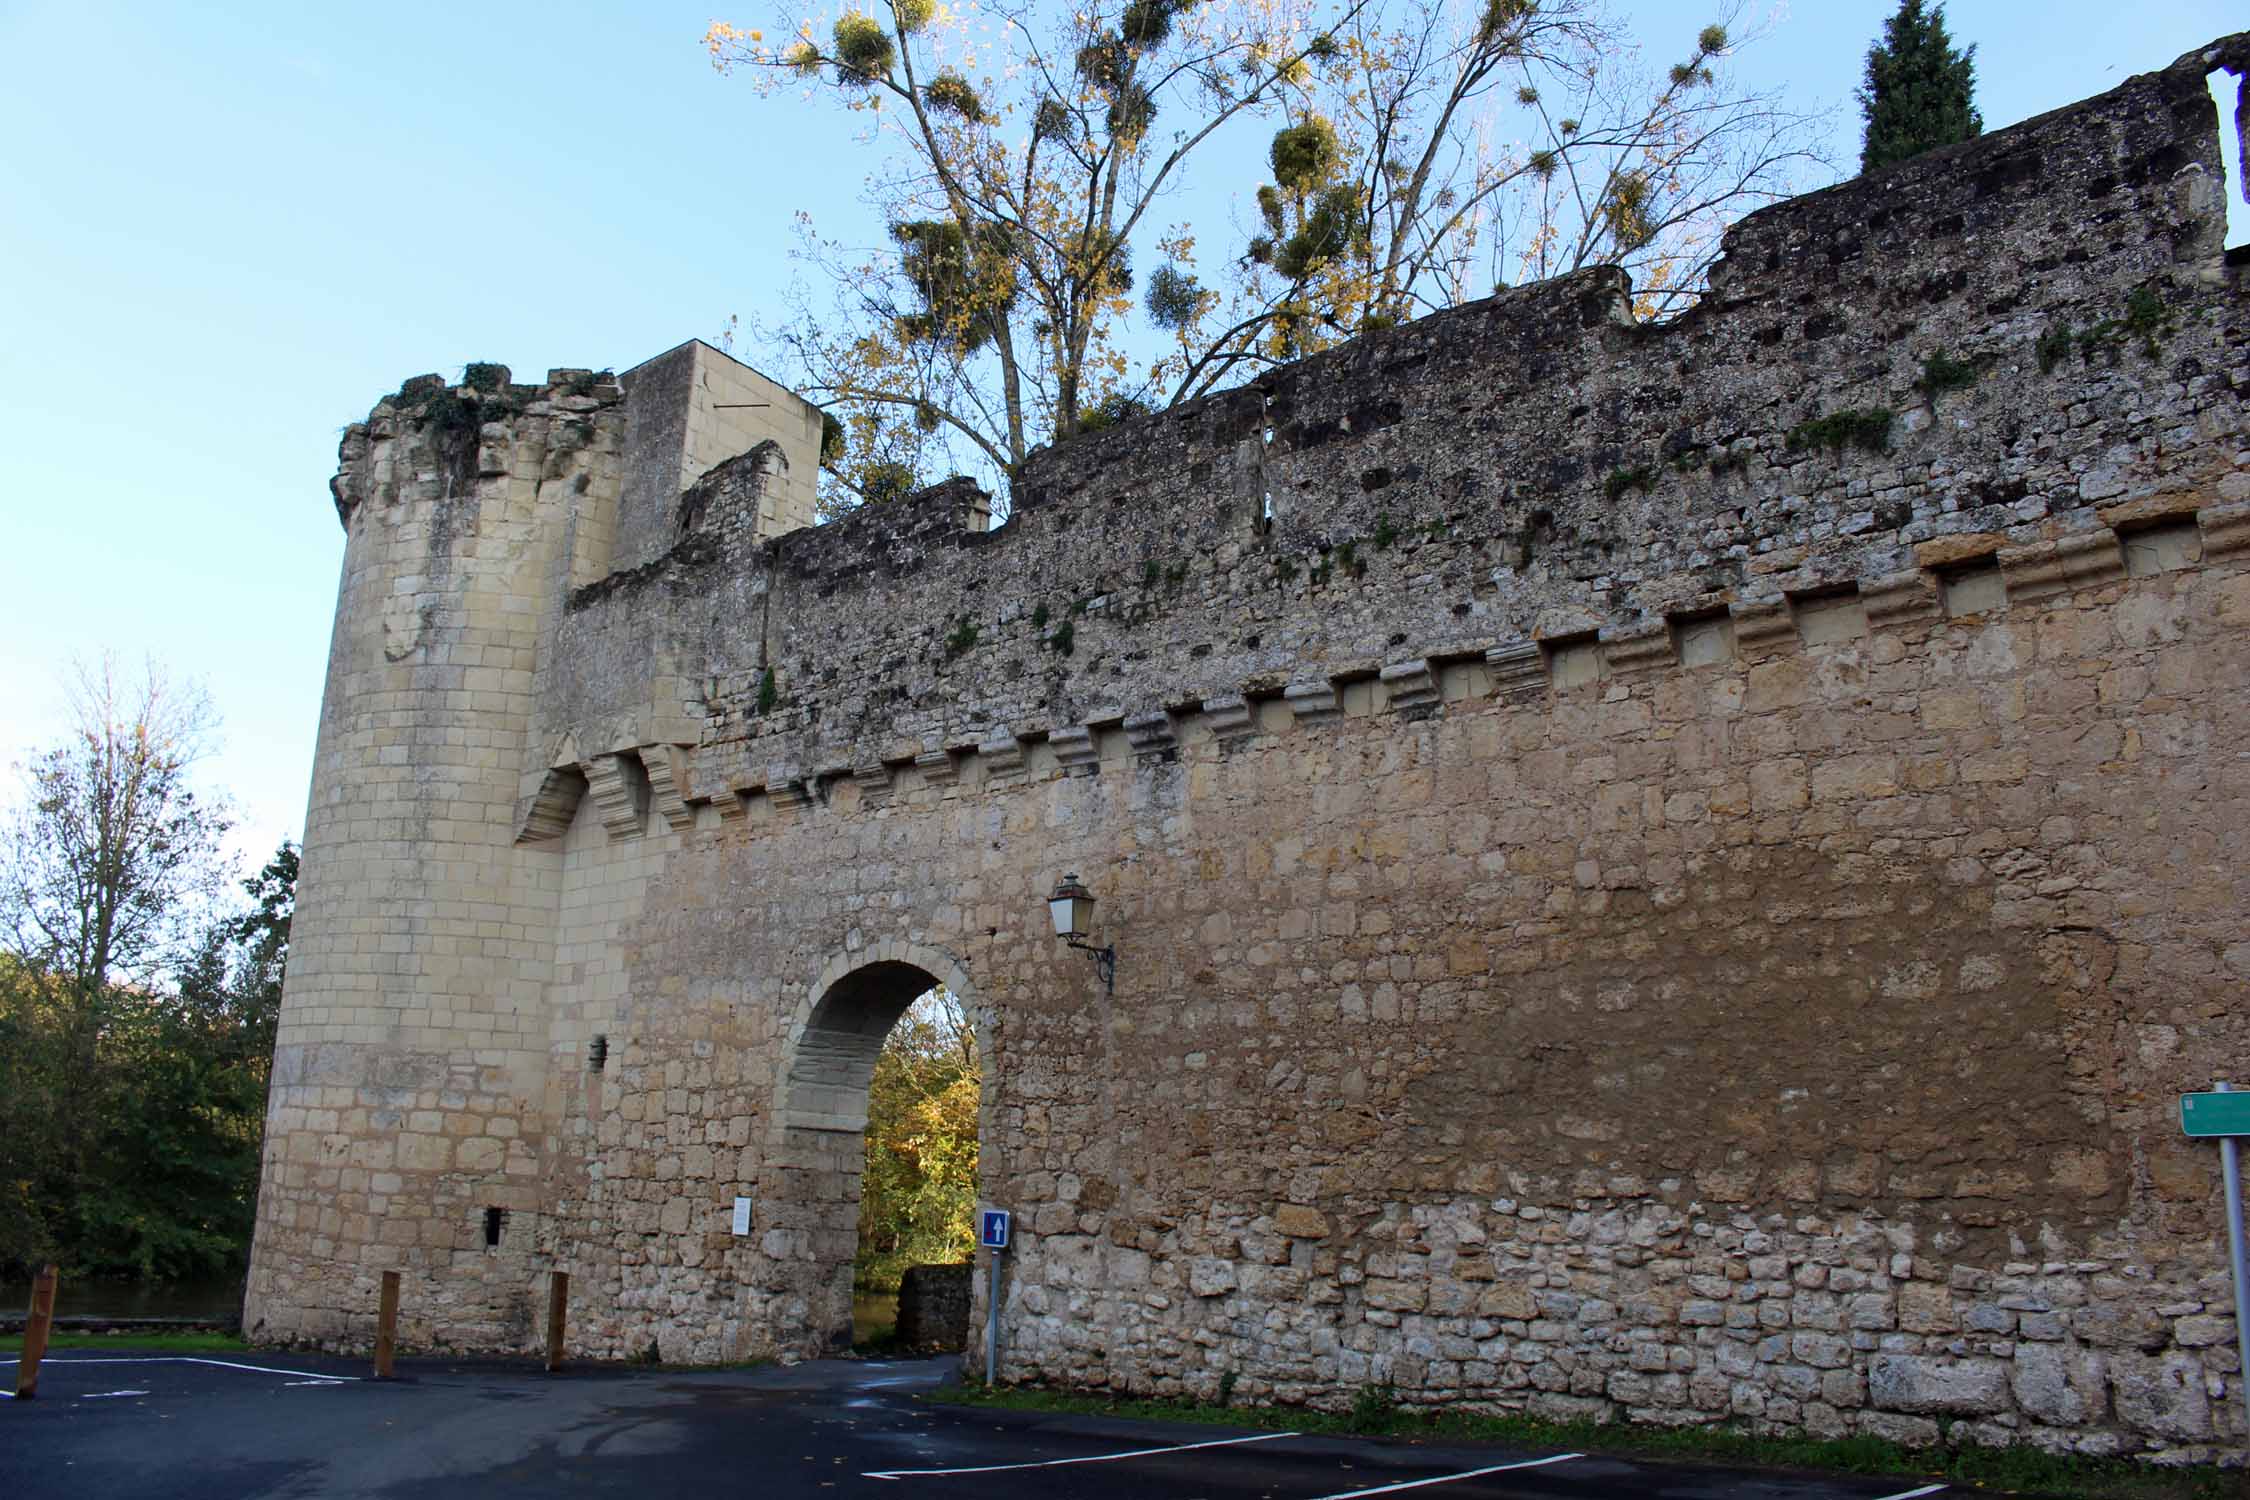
(1072, 907)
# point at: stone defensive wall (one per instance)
(1669, 872)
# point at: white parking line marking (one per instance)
(1416, 1484)
(190, 1359)
(1096, 1458)
(105, 1395)
(1927, 1489)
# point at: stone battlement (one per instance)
(1884, 370)
(1967, 581)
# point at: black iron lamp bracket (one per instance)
(1105, 964)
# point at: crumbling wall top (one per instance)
(1993, 340)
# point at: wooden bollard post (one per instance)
(35, 1332)
(386, 1326)
(558, 1299)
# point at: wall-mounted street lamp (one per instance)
(1072, 907)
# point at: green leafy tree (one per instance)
(136, 1020)
(161, 1180)
(918, 1190)
(174, 1189)
(114, 857)
(1920, 90)
(111, 862)
(171, 1189)
(34, 1061)
(233, 983)
(230, 996)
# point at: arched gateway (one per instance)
(1672, 871)
(817, 1143)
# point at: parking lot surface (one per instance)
(124, 1425)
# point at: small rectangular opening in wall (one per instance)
(597, 1052)
(1974, 588)
(495, 1220)
(1830, 617)
(2162, 549)
(1573, 661)
(1704, 640)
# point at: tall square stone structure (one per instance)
(691, 409)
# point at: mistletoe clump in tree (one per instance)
(1435, 154)
(990, 323)
(1425, 154)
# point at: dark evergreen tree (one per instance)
(1920, 90)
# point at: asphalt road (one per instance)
(120, 1426)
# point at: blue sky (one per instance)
(227, 228)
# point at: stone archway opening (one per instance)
(882, 1134)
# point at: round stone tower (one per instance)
(405, 1122)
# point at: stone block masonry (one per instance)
(933, 1306)
(1666, 872)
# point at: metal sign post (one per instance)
(995, 1239)
(2206, 1115)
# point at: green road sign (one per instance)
(2215, 1114)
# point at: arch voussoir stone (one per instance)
(828, 1050)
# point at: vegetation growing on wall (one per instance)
(1942, 373)
(1621, 480)
(2147, 320)
(2144, 324)
(1867, 428)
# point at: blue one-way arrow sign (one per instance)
(995, 1236)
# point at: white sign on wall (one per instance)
(742, 1216)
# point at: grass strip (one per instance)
(2025, 1471)
(161, 1343)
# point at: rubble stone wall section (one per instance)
(933, 1306)
(1976, 348)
